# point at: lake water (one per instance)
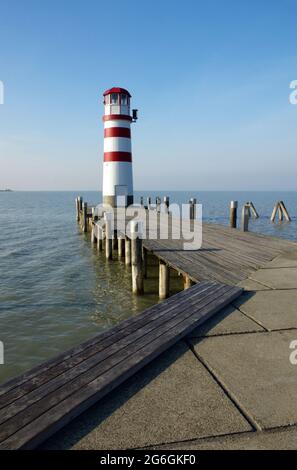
(56, 290)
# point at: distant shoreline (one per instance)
(6, 190)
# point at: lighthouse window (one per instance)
(107, 99)
(114, 98)
(123, 99)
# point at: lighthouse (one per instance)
(117, 165)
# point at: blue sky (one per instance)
(210, 79)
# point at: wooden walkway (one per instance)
(227, 255)
(38, 403)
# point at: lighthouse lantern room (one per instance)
(117, 165)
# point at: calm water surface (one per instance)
(56, 290)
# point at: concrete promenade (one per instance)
(230, 385)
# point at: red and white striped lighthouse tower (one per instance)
(117, 166)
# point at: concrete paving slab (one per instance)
(287, 260)
(173, 398)
(282, 278)
(278, 439)
(229, 320)
(274, 309)
(250, 285)
(256, 370)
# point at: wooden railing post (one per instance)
(233, 214)
(85, 217)
(108, 235)
(128, 251)
(136, 258)
(245, 215)
(164, 279)
(192, 203)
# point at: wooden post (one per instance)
(253, 209)
(141, 200)
(149, 201)
(233, 214)
(77, 208)
(192, 203)
(274, 212)
(245, 218)
(114, 240)
(285, 212)
(128, 251)
(108, 235)
(136, 258)
(80, 203)
(93, 235)
(163, 280)
(99, 238)
(166, 204)
(187, 282)
(121, 246)
(144, 261)
(158, 204)
(280, 213)
(85, 217)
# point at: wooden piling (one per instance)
(158, 204)
(136, 258)
(233, 214)
(121, 246)
(285, 212)
(85, 217)
(141, 200)
(245, 218)
(108, 235)
(149, 201)
(166, 204)
(282, 212)
(164, 276)
(99, 238)
(192, 204)
(127, 251)
(93, 235)
(77, 209)
(144, 262)
(187, 282)
(253, 210)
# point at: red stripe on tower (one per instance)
(117, 157)
(117, 132)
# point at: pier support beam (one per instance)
(164, 276)
(245, 215)
(136, 258)
(144, 262)
(108, 235)
(99, 238)
(187, 282)
(121, 246)
(127, 251)
(85, 217)
(233, 214)
(192, 203)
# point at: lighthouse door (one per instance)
(121, 195)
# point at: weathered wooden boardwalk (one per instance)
(227, 255)
(38, 403)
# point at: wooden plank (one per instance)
(32, 379)
(140, 353)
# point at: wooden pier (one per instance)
(41, 401)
